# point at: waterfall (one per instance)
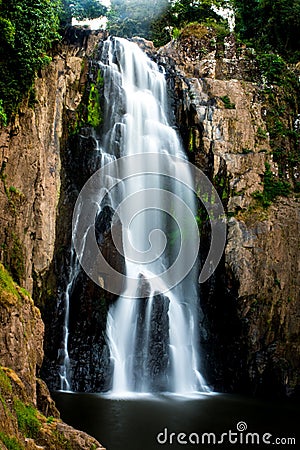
(63, 352)
(153, 340)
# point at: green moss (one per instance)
(62, 441)
(50, 419)
(24, 292)
(100, 79)
(11, 443)
(28, 421)
(3, 116)
(94, 110)
(191, 141)
(2, 400)
(176, 33)
(221, 182)
(16, 191)
(194, 29)
(261, 133)
(273, 187)
(8, 291)
(5, 383)
(227, 102)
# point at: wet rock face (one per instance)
(30, 162)
(90, 364)
(27, 411)
(152, 345)
(22, 329)
(251, 304)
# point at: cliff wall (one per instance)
(227, 115)
(31, 149)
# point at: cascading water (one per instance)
(63, 353)
(153, 342)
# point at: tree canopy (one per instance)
(129, 18)
(152, 20)
(81, 9)
(28, 28)
(270, 25)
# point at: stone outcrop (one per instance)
(251, 304)
(31, 161)
(31, 150)
(28, 417)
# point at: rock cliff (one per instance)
(240, 130)
(30, 172)
(28, 417)
(226, 115)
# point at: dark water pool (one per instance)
(170, 422)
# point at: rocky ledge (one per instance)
(28, 416)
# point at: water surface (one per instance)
(134, 423)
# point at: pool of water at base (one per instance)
(148, 422)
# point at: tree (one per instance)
(271, 25)
(129, 18)
(152, 20)
(185, 11)
(28, 28)
(81, 9)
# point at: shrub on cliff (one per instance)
(28, 30)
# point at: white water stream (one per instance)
(153, 342)
(152, 330)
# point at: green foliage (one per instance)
(273, 187)
(194, 29)
(14, 190)
(5, 383)
(50, 419)
(8, 290)
(184, 12)
(28, 421)
(3, 116)
(62, 442)
(80, 10)
(8, 32)
(281, 98)
(28, 31)
(94, 109)
(272, 26)
(175, 33)
(227, 102)
(273, 68)
(128, 18)
(261, 133)
(159, 19)
(11, 443)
